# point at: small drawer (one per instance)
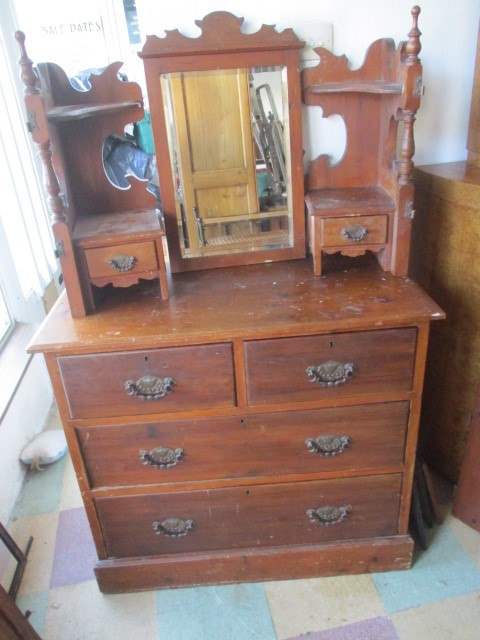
(272, 444)
(330, 366)
(148, 382)
(354, 230)
(121, 259)
(255, 516)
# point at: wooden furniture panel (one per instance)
(320, 441)
(243, 517)
(348, 364)
(224, 332)
(445, 261)
(98, 385)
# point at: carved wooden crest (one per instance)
(221, 31)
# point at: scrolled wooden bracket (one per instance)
(328, 516)
(161, 457)
(150, 387)
(328, 445)
(331, 373)
(173, 527)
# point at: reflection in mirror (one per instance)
(228, 134)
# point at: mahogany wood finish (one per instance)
(247, 447)
(248, 492)
(95, 384)
(69, 128)
(247, 517)
(277, 369)
(375, 101)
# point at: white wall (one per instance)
(25, 417)
(448, 50)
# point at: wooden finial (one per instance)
(413, 46)
(28, 75)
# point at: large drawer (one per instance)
(257, 516)
(140, 382)
(330, 366)
(292, 442)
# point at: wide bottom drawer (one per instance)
(254, 516)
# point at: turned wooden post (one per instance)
(37, 125)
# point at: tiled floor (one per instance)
(439, 598)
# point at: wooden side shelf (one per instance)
(75, 112)
(376, 102)
(103, 234)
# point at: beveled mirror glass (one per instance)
(225, 110)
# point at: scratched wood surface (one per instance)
(276, 299)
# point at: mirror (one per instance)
(225, 110)
(228, 159)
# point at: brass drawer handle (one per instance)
(173, 527)
(331, 373)
(328, 445)
(122, 262)
(150, 387)
(328, 516)
(161, 457)
(354, 232)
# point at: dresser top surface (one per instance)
(255, 301)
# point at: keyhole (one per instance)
(332, 344)
(146, 358)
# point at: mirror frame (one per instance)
(222, 45)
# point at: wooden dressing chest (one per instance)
(261, 424)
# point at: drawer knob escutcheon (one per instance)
(173, 527)
(122, 262)
(150, 387)
(328, 445)
(328, 516)
(354, 232)
(161, 457)
(331, 373)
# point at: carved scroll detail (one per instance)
(220, 30)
